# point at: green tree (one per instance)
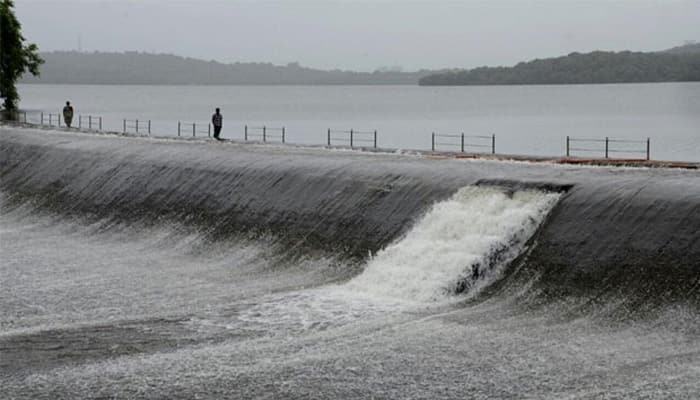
(15, 56)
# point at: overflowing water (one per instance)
(468, 236)
(136, 268)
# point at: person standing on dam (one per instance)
(68, 114)
(218, 121)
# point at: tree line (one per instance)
(575, 68)
(72, 67)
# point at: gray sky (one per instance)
(361, 35)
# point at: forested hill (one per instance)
(71, 67)
(680, 63)
(674, 65)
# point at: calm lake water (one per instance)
(529, 120)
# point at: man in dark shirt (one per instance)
(218, 121)
(68, 114)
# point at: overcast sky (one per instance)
(361, 35)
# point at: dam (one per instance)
(163, 268)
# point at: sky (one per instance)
(361, 35)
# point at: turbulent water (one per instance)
(529, 120)
(151, 268)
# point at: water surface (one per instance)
(529, 120)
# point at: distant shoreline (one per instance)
(71, 67)
(680, 64)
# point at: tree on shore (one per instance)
(15, 57)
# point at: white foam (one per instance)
(476, 225)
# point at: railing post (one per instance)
(606, 146)
(351, 135)
(90, 122)
(329, 137)
(375, 138)
(149, 127)
(80, 121)
(124, 125)
(178, 128)
(283, 133)
(264, 136)
(137, 126)
(462, 146)
(493, 143)
(42, 118)
(194, 129)
(100, 125)
(432, 142)
(648, 148)
(245, 134)
(208, 130)
(567, 145)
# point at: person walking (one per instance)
(68, 114)
(218, 121)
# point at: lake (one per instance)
(526, 120)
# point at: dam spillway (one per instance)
(249, 244)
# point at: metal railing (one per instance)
(482, 141)
(193, 128)
(603, 146)
(354, 136)
(91, 122)
(266, 133)
(50, 119)
(607, 146)
(136, 126)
